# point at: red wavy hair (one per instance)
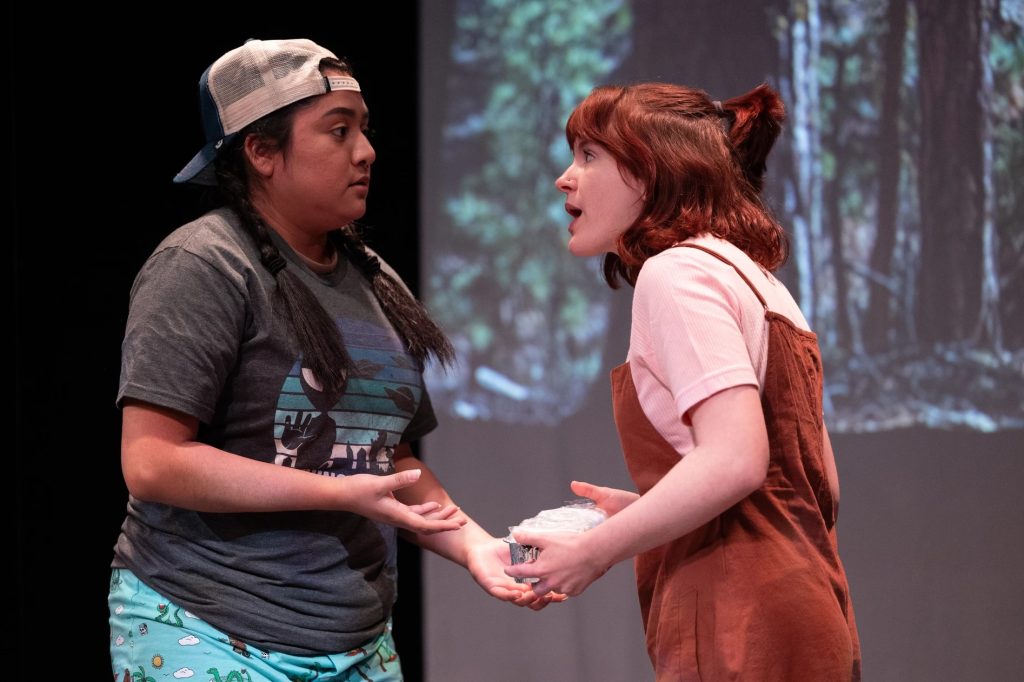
(701, 168)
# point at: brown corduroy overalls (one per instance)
(758, 593)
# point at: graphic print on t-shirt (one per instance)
(357, 434)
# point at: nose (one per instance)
(566, 182)
(364, 154)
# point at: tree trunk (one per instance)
(990, 327)
(880, 297)
(834, 141)
(805, 184)
(951, 170)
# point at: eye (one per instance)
(340, 131)
(588, 156)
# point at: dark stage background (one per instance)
(102, 118)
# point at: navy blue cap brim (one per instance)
(200, 169)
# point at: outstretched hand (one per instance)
(487, 562)
(565, 563)
(372, 496)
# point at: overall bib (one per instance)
(759, 592)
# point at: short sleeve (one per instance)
(696, 337)
(423, 422)
(186, 320)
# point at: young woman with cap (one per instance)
(271, 384)
(719, 405)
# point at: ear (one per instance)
(261, 156)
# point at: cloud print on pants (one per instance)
(184, 672)
(191, 640)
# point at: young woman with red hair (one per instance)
(718, 406)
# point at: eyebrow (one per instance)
(345, 111)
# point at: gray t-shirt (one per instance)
(203, 338)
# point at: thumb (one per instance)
(584, 489)
(403, 479)
(524, 537)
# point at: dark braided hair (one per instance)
(318, 336)
(407, 315)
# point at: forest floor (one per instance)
(952, 387)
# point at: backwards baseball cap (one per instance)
(250, 82)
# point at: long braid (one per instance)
(319, 338)
(422, 336)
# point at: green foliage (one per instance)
(514, 299)
(533, 62)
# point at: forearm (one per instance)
(729, 462)
(700, 487)
(162, 462)
(452, 545)
(200, 477)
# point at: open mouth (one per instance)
(573, 211)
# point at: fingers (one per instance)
(450, 512)
(527, 570)
(424, 526)
(435, 527)
(402, 479)
(541, 587)
(425, 508)
(584, 489)
(523, 537)
(422, 519)
(524, 595)
(549, 598)
(511, 592)
(434, 512)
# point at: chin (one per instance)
(352, 215)
(581, 250)
(587, 251)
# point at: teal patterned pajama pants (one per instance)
(152, 639)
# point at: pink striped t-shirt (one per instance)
(698, 329)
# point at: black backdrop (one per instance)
(101, 119)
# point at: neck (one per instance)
(313, 246)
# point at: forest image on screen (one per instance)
(897, 179)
